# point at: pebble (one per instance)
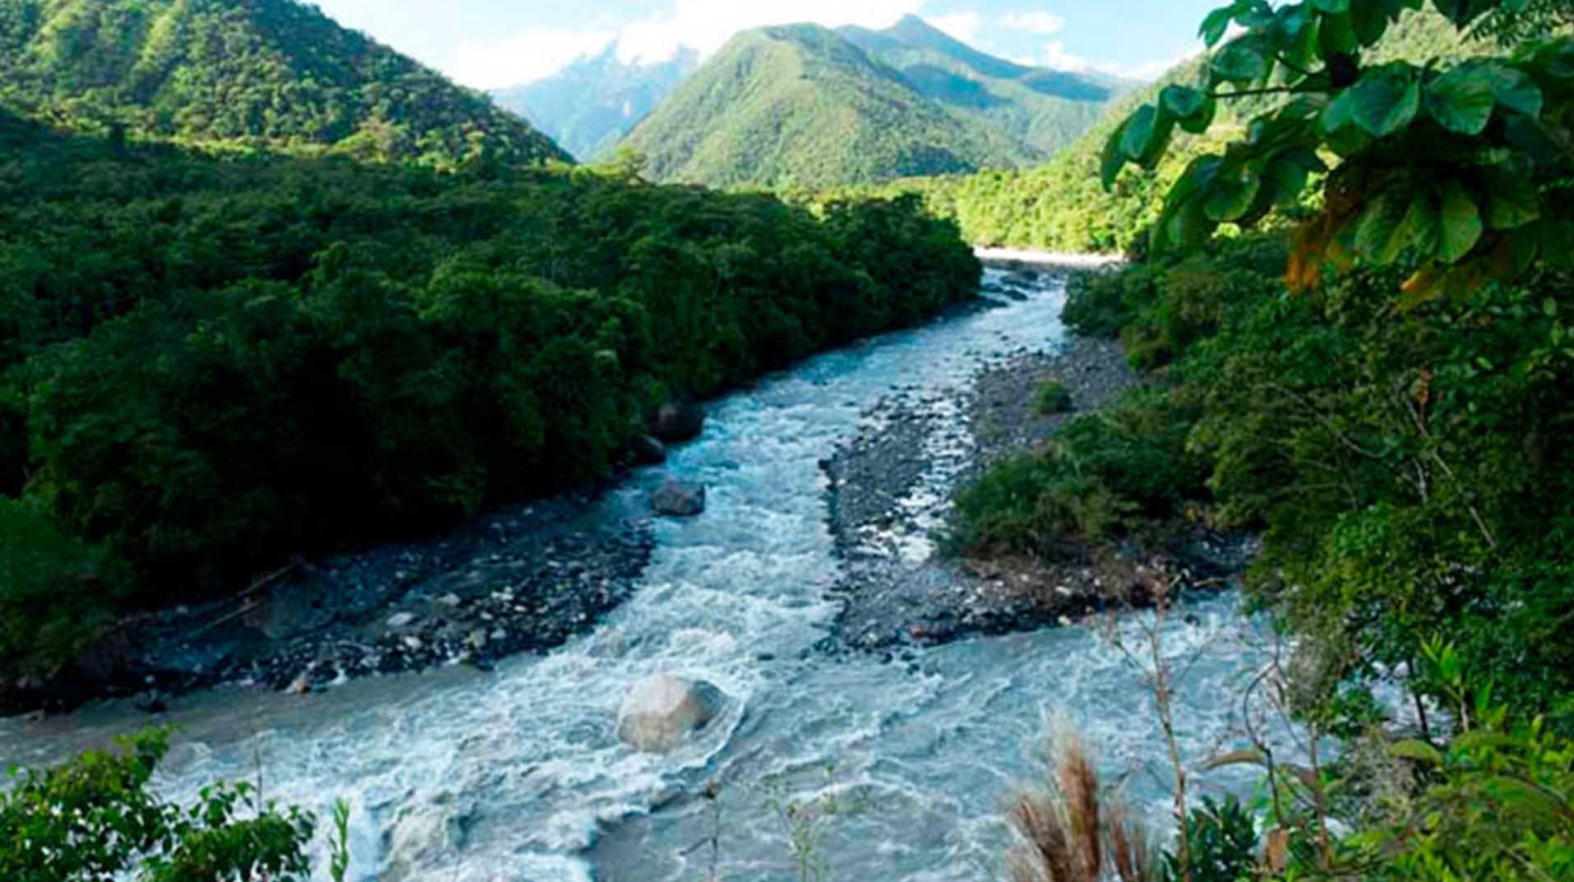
(401, 620)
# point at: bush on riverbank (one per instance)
(212, 364)
(1403, 462)
(1103, 474)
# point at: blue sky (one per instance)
(494, 43)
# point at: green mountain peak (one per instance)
(803, 105)
(277, 74)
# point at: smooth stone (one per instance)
(663, 711)
(678, 499)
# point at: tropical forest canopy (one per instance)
(215, 356)
(245, 74)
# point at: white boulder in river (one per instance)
(663, 710)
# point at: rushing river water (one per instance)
(517, 775)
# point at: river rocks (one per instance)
(425, 838)
(525, 579)
(678, 499)
(882, 500)
(648, 451)
(677, 422)
(661, 712)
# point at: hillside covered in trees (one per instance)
(1063, 206)
(207, 365)
(244, 73)
(806, 106)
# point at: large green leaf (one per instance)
(1384, 102)
(1114, 158)
(1460, 227)
(1192, 108)
(1232, 193)
(1461, 100)
(1512, 201)
(1336, 34)
(1386, 229)
(1215, 25)
(1370, 20)
(1240, 61)
(1140, 130)
(1512, 88)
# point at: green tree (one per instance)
(94, 819)
(1446, 167)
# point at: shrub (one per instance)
(1221, 844)
(1104, 473)
(95, 818)
(1052, 398)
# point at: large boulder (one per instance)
(647, 450)
(661, 712)
(678, 499)
(677, 422)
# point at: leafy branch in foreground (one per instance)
(1451, 171)
(94, 818)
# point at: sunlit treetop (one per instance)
(1454, 168)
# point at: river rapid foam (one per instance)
(517, 775)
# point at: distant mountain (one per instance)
(1044, 109)
(1063, 206)
(591, 104)
(263, 73)
(801, 105)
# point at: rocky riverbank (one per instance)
(522, 580)
(889, 499)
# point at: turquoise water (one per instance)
(517, 775)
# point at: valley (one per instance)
(913, 441)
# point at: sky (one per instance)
(490, 44)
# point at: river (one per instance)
(517, 776)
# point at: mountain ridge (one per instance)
(590, 105)
(276, 74)
(804, 105)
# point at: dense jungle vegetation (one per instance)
(245, 74)
(207, 365)
(1389, 412)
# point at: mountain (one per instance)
(1063, 206)
(254, 73)
(801, 105)
(1044, 109)
(591, 104)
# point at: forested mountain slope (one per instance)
(800, 105)
(253, 73)
(1062, 205)
(1041, 108)
(210, 364)
(590, 105)
(804, 106)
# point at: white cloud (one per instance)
(700, 24)
(1146, 72)
(1040, 23)
(962, 25)
(1056, 57)
(526, 56)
